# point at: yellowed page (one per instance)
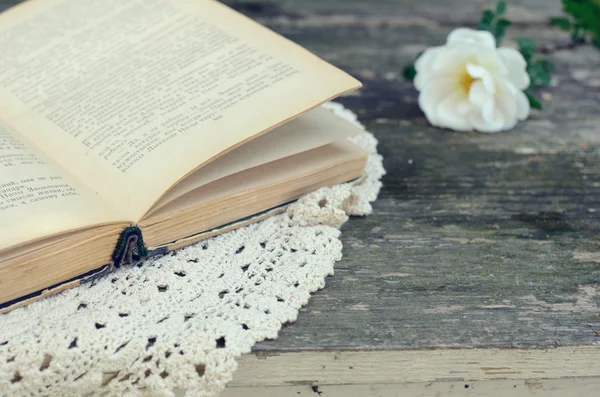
(38, 199)
(316, 128)
(298, 166)
(247, 193)
(132, 95)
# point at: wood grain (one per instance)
(495, 388)
(477, 240)
(356, 367)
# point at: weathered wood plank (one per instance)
(564, 371)
(477, 240)
(492, 388)
(441, 10)
(360, 367)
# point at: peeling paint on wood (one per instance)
(494, 388)
(418, 366)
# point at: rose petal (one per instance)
(448, 114)
(464, 106)
(451, 59)
(477, 121)
(476, 71)
(479, 72)
(499, 122)
(506, 101)
(523, 107)
(516, 66)
(427, 57)
(469, 36)
(423, 66)
(432, 95)
(491, 61)
(478, 95)
(488, 111)
(422, 79)
(512, 57)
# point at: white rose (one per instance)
(469, 84)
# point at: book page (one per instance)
(38, 199)
(252, 191)
(132, 95)
(317, 128)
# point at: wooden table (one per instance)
(478, 272)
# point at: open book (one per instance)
(133, 127)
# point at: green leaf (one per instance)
(586, 14)
(409, 72)
(562, 23)
(500, 30)
(491, 22)
(578, 34)
(538, 76)
(487, 17)
(526, 47)
(533, 102)
(548, 66)
(501, 7)
(540, 72)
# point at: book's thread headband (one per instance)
(130, 247)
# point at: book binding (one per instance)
(130, 247)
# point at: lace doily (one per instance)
(178, 322)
